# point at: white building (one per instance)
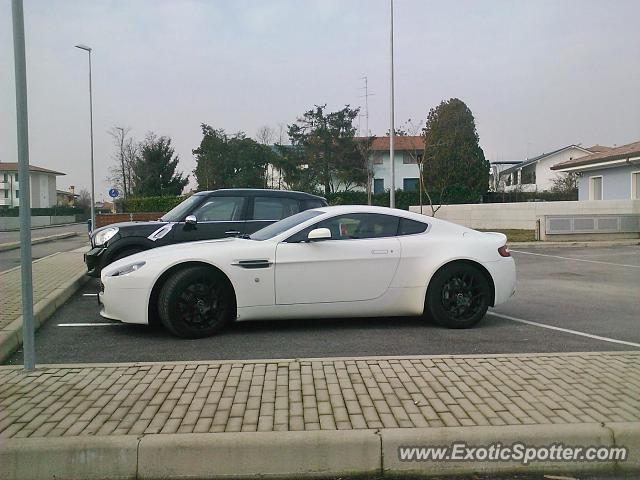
(408, 153)
(535, 174)
(42, 184)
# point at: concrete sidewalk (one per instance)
(55, 279)
(35, 241)
(312, 417)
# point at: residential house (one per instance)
(42, 184)
(66, 199)
(535, 174)
(408, 152)
(609, 174)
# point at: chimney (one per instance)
(72, 189)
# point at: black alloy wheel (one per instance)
(196, 302)
(458, 296)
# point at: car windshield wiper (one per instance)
(246, 236)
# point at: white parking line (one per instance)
(87, 324)
(576, 259)
(89, 294)
(565, 330)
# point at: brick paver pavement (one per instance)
(49, 273)
(134, 399)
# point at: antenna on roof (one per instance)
(366, 103)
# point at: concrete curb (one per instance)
(308, 454)
(596, 243)
(50, 238)
(44, 227)
(11, 335)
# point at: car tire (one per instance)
(458, 296)
(196, 302)
(126, 252)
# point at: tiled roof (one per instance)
(13, 167)
(616, 153)
(410, 143)
(599, 148)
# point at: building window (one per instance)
(410, 184)
(17, 193)
(16, 177)
(378, 185)
(409, 159)
(377, 160)
(6, 194)
(4, 177)
(595, 188)
(635, 185)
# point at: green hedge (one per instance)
(150, 204)
(44, 212)
(403, 199)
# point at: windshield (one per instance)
(284, 225)
(177, 213)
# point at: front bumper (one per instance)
(93, 261)
(119, 301)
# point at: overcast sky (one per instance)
(537, 75)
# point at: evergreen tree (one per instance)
(154, 171)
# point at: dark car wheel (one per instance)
(458, 296)
(196, 302)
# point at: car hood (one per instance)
(133, 228)
(178, 252)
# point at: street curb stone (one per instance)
(627, 434)
(11, 336)
(309, 454)
(585, 434)
(69, 458)
(574, 243)
(50, 238)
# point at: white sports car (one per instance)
(346, 261)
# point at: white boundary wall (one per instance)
(13, 223)
(523, 215)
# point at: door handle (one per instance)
(380, 252)
(232, 232)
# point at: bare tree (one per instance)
(416, 152)
(565, 183)
(84, 199)
(265, 136)
(125, 155)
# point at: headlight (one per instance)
(103, 236)
(132, 267)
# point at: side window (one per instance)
(309, 204)
(411, 227)
(274, 208)
(220, 209)
(355, 226)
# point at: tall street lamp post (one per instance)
(93, 193)
(392, 132)
(22, 127)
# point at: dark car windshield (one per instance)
(284, 225)
(177, 213)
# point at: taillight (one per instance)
(504, 251)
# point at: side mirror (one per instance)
(319, 234)
(191, 220)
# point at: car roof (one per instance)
(339, 209)
(267, 192)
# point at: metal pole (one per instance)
(93, 191)
(28, 336)
(392, 193)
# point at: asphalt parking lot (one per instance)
(568, 299)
